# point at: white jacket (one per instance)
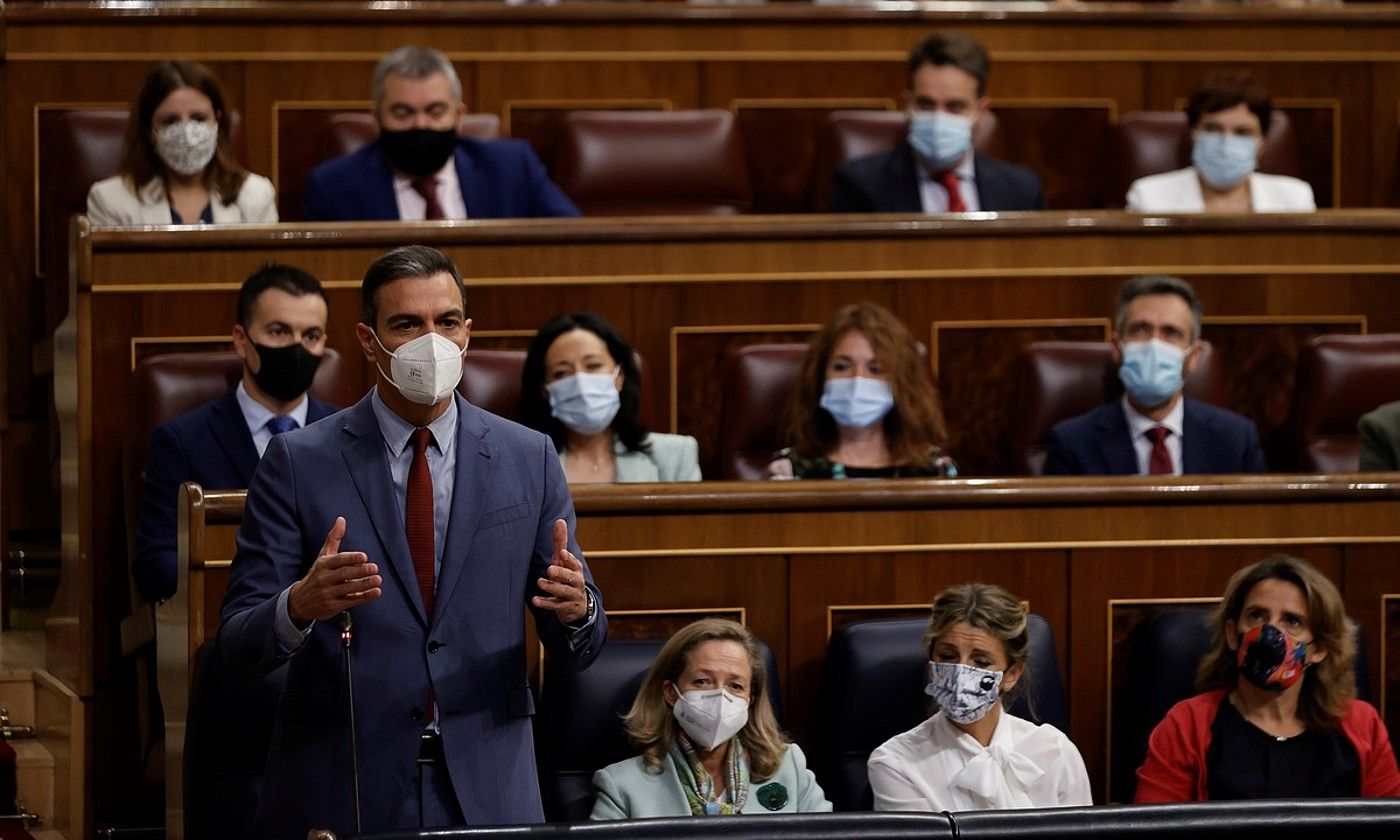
(111, 202)
(1180, 192)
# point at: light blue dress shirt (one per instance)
(256, 415)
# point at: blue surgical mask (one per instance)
(855, 402)
(939, 139)
(1224, 160)
(1151, 371)
(585, 402)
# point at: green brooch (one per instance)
(773, 796)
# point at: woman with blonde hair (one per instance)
(177, 164)
(1279, 716)
(709, 742)
(865, 405)
(972, 754)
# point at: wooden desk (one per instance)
(794, 560)
(685, 290)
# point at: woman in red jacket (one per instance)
(1278, 718)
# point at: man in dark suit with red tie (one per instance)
(936, 170)
(434, 525)
(1154, 429)
(419, 168)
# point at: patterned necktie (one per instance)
(419, 524)
(949, 180)
(427, 187)
(1160, 461)
(281, 423)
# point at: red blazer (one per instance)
(1175, 769)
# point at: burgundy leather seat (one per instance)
(1150, 142)
(1063, 379)
(648, 163)
(1340, 378)
(306, 138)
(852, 134)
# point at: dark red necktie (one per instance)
(1160, 461)
(949, 180)
(420, 517)
(427, 187)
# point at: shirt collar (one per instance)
(1001, 735)
(965, 170)
(256, 415)
(1138, 423)
(397, 431)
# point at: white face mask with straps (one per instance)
(711, 717)
(426, 369)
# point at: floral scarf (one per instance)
(699, 787)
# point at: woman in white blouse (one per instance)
(972, 755)
(1229, 115)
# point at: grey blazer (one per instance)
(627, 790)
(1380, 439)
(672, 458)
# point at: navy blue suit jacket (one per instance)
(470, 652)
(1099, 442)
(888, 182)
(501, 179)
(211, 446)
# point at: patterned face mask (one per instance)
(1271, 659)
(188, 146)
(964, 693)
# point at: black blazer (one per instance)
(888, 182)
(1099, 442)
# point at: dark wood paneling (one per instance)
(1372, 593)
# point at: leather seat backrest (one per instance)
(851, 134)
(873, 689)
(1063, 379)
(642, 163)
(1340, 378)
(579, 726)
(1150, 142)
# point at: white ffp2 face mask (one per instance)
(711, 718)
(426, 369)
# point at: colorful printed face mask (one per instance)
(1271, 659)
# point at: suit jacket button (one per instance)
(434, 646)
(415, 715)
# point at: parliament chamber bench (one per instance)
(685, 292)
(794, 561)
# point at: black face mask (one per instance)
(417, 151)
(285, 373)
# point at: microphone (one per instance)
(346, 636)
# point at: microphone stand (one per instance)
(345, 637)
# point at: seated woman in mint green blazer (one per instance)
(580, 386)
(709, 742)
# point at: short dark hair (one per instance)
(290, 279)
(953, 49)
(1222, 89)
(407, 261)
(534, 404)
(1157, 284)
(140, 160)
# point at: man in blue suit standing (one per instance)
(419, 168)
(281, 337)
(434, 525)
(936, 170)
(1154, 429)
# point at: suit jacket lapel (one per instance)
(368, 465)
(230, 430)
(470, 490)
(1116, 442)
(380, 185)
(476, 204)
(902, 182)
(990, 189)
(1195, 432)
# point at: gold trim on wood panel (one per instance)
(935, 548)
(832, 609)
(794, 103)
(278, 106)
(57, 106)
(1010, 323)
(1385, 596)
(619, 104)
(141, 341)
(1279, 320)
(711, 329)
(1108, 668)
(1104, 103)
(503, 334)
